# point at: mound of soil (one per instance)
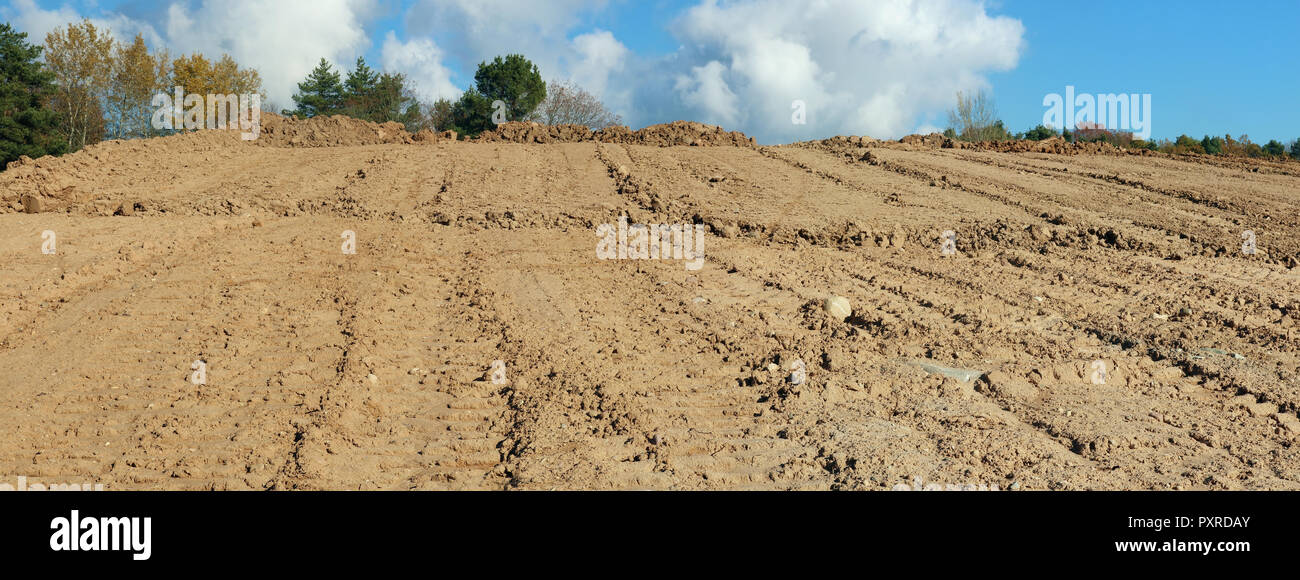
(429, 136)
(933, 140)
(1054, 145)
(52, 183)
(679, 133)
(693, 134)
(375, 370)
(332, 131)
(850, 141)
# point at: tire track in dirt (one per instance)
(1027, 242)
(978, 278)
(1111, 206)
(666, 429)
(1039, 423)
(642, 374)
(941, 425)
(1235, 210)
(155, 405)
(788, 429)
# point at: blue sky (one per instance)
(1210, 67)
(884, 68)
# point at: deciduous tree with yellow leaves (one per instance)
(136, 77)
(80, 56)
(196, 74)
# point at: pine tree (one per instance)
(359, 93)
(439, 115)
(1274, 148)
(395, 101)
(513, 80)
(27, 126)
(1212, 145)
(1040, 132)
(472, 114)
(320, 94)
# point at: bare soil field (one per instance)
(328, 370)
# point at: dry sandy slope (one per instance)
(642, 374)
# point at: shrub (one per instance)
(1213, 146)
(1098, 133)
(1040, 132)
(1274, 148)
(1186, 144)
(975, 119)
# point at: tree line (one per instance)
(506, 89)
(81, 86)
(974, 118)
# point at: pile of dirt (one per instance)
(1054, 145)
(38, 185)
(679, 133)
(429, 136)
(849, 141)
(1094, 323)
(524, 132)
(689, 133)
(933, 140)
(53, 183)
(332, 131)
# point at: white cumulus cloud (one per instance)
(596, 55)
(707, 92)
(422, 62)
(283, 40)
(474, 31)
(861, 67)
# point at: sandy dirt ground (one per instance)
(328, 370)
